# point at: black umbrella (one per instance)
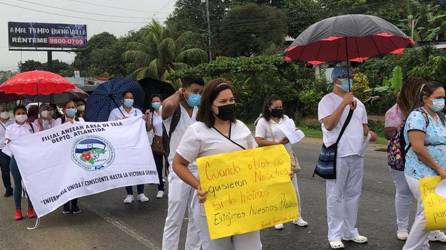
(347, 38)
(155, 87)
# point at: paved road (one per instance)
(106, 223)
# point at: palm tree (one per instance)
(159, 52)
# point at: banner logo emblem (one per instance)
(93, 153)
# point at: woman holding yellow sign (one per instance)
(217, 131)
(269, 132)
(425, 134)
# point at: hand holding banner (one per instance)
(247, 190)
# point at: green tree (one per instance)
(250, 29)
(159, 53)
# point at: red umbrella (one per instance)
(347, 38)
(36, 82)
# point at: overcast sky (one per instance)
(117, 17)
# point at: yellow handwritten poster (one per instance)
(434, 205)
(247, 190)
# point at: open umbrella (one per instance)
(108, 96)
(36, 82)
(61, 98)
(152, 86)
(347, 38)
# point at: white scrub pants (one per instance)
(343, 197)
(296, 188)
(418, 235)
(180, 198)
(245, 241)
(403, 199)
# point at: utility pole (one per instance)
(209, 29)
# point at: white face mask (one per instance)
(44, 114)
(21, 118)
(81, 108)
(4, 115)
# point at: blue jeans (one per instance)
(139, 189)
(17, 185)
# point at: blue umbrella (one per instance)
(108, 96)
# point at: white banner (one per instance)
(80, 159)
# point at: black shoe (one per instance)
(8, 193)
(66, 209)
(75, 209)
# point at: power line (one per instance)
(63, 15)
(78, 11)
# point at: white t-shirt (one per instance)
(199, 140)
(269, 129)
(157, 123)
(115, 114)
(183, 124)
(3, 127)
(59, 121)
(353, 138)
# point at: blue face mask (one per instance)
(437, 105)
(346, 85)
(156, 105)
(193, 100)
(128, 103)
(71, 112)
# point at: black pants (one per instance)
(4, 166)
(159, 168)
(139, 189)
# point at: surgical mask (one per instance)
(81, 108)
(4, 115)
(437, 105)
(128, 103)
(226, 112)
(71, 112)
(277, 113)
(156, 105)
(346, 85)
(44, 114)
(21, 118)
(193, 100)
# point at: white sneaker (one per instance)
(336, 244)
(129, 199)
(402, 235)
(358, 239)
(300, 222)
(142, 198)
(278, 227)
(160, 194)
(437, 236)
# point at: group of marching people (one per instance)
(201, 120)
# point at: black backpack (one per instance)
(167, 134)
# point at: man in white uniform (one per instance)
(179, 112)
(343, 193)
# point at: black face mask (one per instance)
(277, 113)
(226, 112)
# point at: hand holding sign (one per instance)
(294, 135)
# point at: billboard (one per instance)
(46, 36)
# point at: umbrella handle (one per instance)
(114, 101)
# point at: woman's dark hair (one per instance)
(407, 99)
(66, 103)
(266, 113)
(127, 91)
(426, 90)
(211, 92)
(20, 107)
(33, 111)
(81, 100)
